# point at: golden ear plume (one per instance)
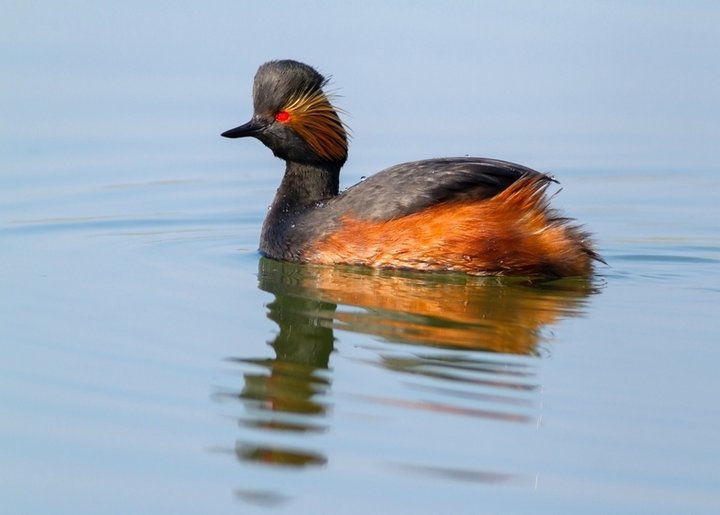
(314, 118)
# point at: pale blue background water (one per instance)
(134, 332)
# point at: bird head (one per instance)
(293, 116)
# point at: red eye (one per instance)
(282, 116)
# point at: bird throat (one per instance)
(304, 186)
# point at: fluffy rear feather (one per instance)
(514, 232)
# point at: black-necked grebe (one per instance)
(467, 214)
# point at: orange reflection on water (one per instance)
(451, 310)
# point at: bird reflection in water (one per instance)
(290, 392)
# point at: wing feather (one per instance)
(410, 187)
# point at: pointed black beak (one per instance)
(251, 128)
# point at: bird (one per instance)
(472, 215)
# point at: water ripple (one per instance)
(664, 258)
(108, 225)
(466, 475)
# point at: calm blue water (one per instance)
(152, 362)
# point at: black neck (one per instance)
(303, 187)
